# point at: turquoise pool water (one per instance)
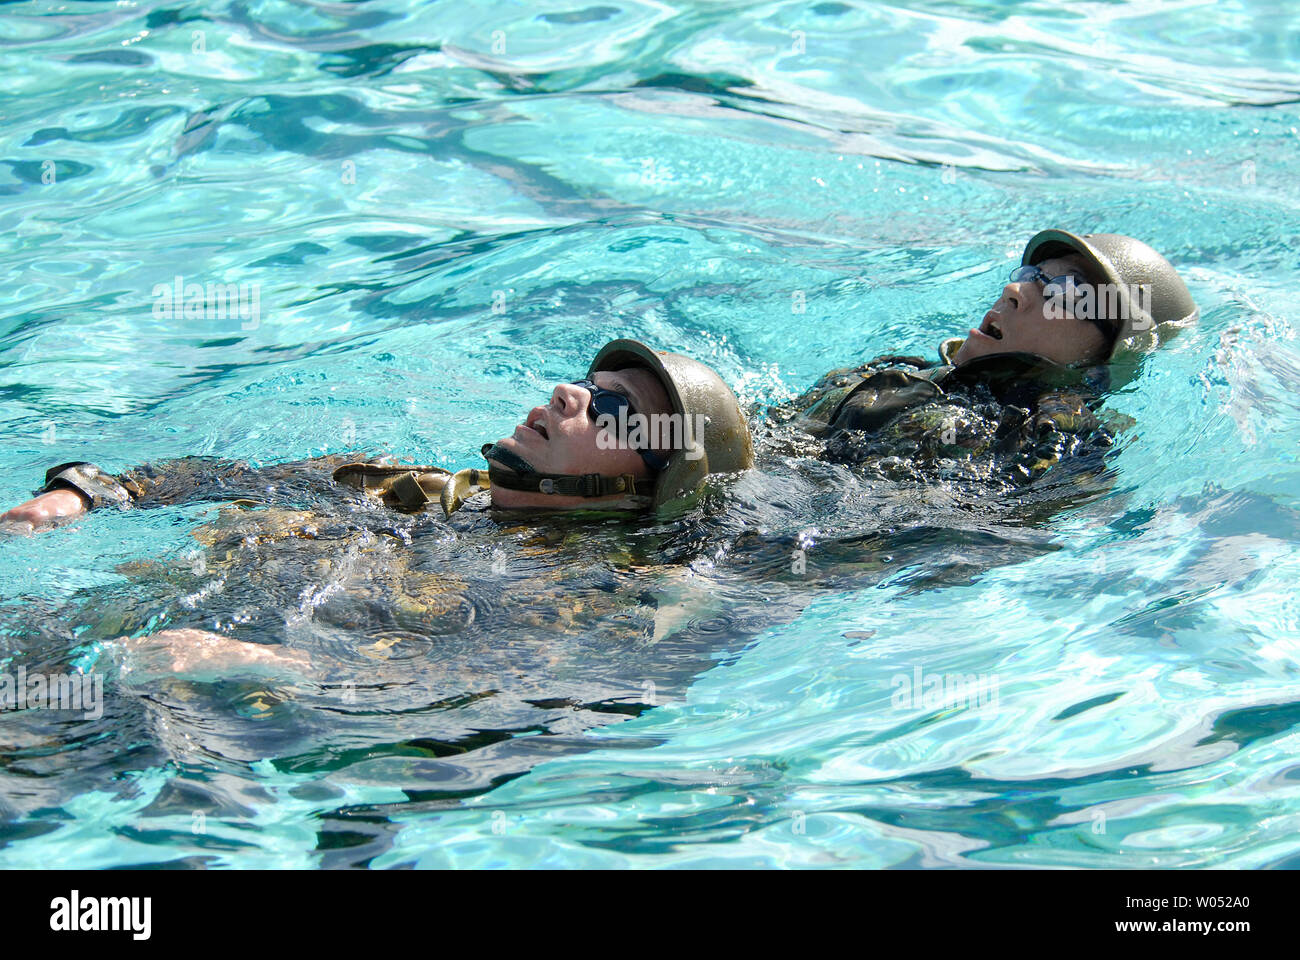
(447, 207)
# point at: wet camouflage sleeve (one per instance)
(195, 479)
(1062, 426)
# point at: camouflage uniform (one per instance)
(995, 424)
(1000, 420)
(310, 544)
(193, 479)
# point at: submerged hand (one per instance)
(43, 512)
(200, 655)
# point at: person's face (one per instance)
(1018, 322)
(561, 437)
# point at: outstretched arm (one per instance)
(73, 488)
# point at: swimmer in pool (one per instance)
(671, 422)
(1015, 399)
(1022, 391)
(644, 430)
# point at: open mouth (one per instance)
(537, 421)
(990, 327)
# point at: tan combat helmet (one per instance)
(693, 389)
(1163, 306)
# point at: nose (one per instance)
(569, 399)
(1022, 291)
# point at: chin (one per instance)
(514, 446)
(969, 352)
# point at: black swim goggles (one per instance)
(611, 403)
(1063, 286)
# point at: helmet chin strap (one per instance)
(512, 472)
(507, 459)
